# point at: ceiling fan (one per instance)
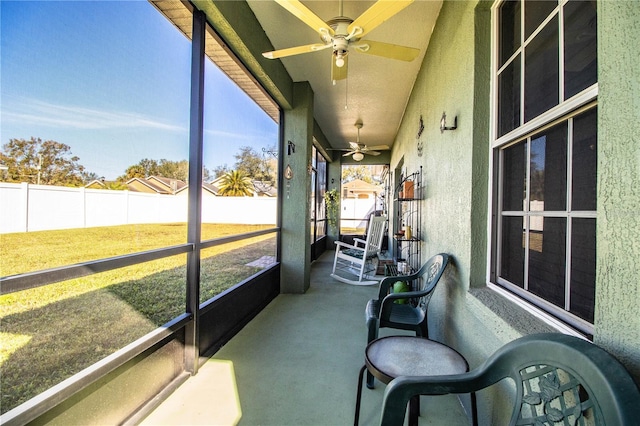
(342, 34)
(358, 150)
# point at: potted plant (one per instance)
(332, 203)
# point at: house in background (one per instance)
(259, 188)
(156, 185)
(102, 184)
(207, 189)
(151, 185)
(360, 189)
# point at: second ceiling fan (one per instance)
(358, 150)
(342, 34)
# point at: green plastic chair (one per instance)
(559, 379)
(383, 312)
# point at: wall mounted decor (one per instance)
(419, 142)
(443, 123)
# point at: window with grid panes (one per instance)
(545, 154)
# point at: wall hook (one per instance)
(443, 123)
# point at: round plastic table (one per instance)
(394, 356)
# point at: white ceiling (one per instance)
(376, 90)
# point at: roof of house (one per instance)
(358, 185)
(260, 188)
(173, 184)
(157, 184)
(212, 189)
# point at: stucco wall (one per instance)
(617, 315)
(455, 173)
(478, 320)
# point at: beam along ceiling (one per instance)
(376, 89)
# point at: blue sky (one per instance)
(111, 80)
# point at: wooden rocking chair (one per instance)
(357, 260)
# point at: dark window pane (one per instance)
(583, 268)
(509, 102)
(534, 13)
(541, 72)
(313, 205)
(548, 190)
(580, 46)
(547, 252)
(585, 161)
(512, 262)
(513, 180)
(509, 29)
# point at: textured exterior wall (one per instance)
(296, 239)
(455, 173)
(454, 78)
(617, 316)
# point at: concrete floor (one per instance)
(296, 363)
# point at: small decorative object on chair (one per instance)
(357, 263)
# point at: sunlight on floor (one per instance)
(210, 397)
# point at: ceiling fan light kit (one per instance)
(358, 150)
(342, 32)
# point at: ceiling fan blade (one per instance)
(304, 14)
(371, 152)
(377, 14)
(355, 146)
(349, 153)
(339, 73)
(378, 148)
(387, 50)
(295, 50)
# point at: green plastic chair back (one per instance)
(559, 379)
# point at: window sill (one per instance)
(540, 315)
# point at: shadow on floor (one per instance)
(296, 363)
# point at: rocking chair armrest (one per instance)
(347, 245)
(359, 240)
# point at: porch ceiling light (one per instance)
(358, 156)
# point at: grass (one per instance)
(50, 333)
(34, 251)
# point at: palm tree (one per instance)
(235, 184)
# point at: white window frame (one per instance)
(558, 318)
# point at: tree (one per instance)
(135, 171)
(143, 169)
(162, 168)
(255, 166)
(219, 171)
(90, 177)
(236, 184)
(362, 172)
(115, 186)
(45, 163)
(174, 169)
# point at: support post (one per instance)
(192, 341)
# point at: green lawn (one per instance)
(50, 333)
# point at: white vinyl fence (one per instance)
(25, 207)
